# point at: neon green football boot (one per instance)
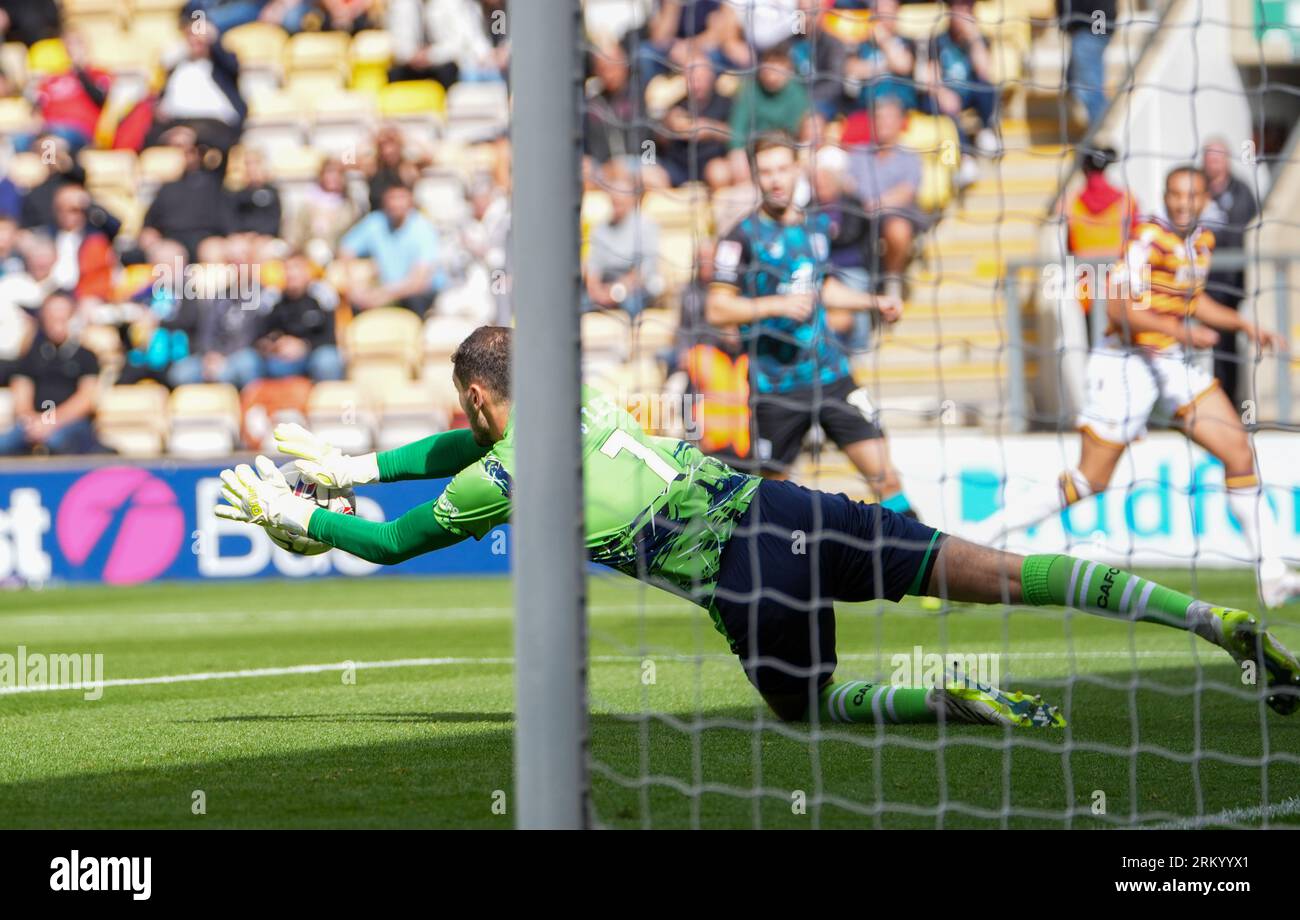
(1239, 633)
(983, 704)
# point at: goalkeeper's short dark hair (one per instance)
(484, 358)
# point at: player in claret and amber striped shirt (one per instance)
(766, 558)
(1143, 368)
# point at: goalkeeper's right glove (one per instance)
(262, 496)
(321, 462)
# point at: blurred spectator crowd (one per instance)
(219, 213)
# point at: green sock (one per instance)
(1064, 581)
(860, 701)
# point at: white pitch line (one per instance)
(477, 661)
(1281, 809)
(259, 672)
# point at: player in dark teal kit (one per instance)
(770, 282)
(767, 559)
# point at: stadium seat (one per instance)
(156, 165)
(372, 54)
(294, 164)
(685, 208)
(17, 117)
(258, 45)
(443, 334)
(935, 139)
(13, 62)
(655, 330)
(266, 403)
(407, 412)
(337, 412)
(435, 377)
(919, 21)
(105, 342)
(389, 334)
(205, 420)
(466, 160)
(344, 121)
(109, 169)
(275, 119)
(607, 333)
(317, 59)
(663, 92)
(442, 199)
(610, 20)
(677, 249)
(48, 56)
(110, 49)
(133, 419)
(477, 111)
(92, 17)
(420, 98)
(26, 170)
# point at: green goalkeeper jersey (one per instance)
(656, 508)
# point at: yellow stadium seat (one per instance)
(935, 139)
(372, 54)
(48, 56)
(413, 97)
(385, 334)
(919, 21)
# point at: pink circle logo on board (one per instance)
(150, 532)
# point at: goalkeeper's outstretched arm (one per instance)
(386, 542)
(434, 457)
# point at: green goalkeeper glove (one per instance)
(321, 462)
(263, 497)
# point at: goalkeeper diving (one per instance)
(766, 558)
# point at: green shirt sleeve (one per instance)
(476, 500)
(385, 542)
(438, 455)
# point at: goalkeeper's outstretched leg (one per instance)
(797, 550)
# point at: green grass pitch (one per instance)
(1157, 723)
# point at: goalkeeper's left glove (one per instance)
(263, 497)
(323, 463)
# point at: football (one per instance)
(342, 501)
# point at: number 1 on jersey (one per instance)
(620, 440)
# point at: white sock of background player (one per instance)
(1259, 524)
(1035, 506)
